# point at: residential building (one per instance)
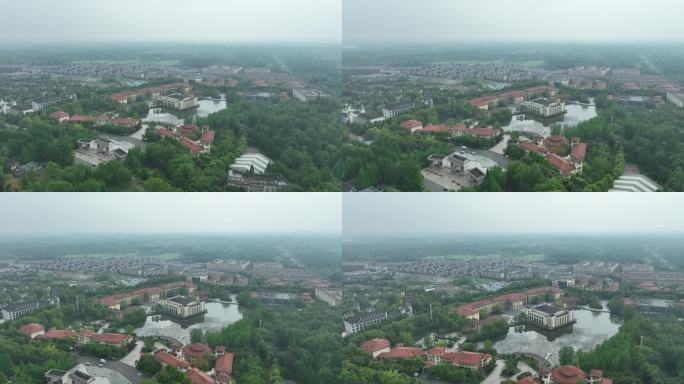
(396, 109)
(199, 377)
(548, 317)
(60, 116)
(514, 300)
(376, 347)
(470, 360)
(676, 99)
(544, 107)
(15, 311)
(114, 339)
(306, 95)
(223, 367)
(329, 295)
(149, 295)
(358, 322)
(166, 358)
(413, 125)
(401, 352)
(179, 101)
(182, 307)
(33, 330)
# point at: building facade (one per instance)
(548, 317)
(183, 307)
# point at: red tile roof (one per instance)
(79, 118)
(532, 147)
(579, 151)
(555, 141)
(410, 124)
(208, 137)
(224, 363)
(567, 374)
(374, 345)
(402, 353)
(163, 132)
(113, 299)
(435, 128)
(56, 334)
(527, 380)
(466, 358)
(438, 351)
(32, 328)
(169, 359)
(199, 377)
(59, 115)
(109, 338)
(191, 145)
(196, 350)
(484, 100)
(560, 163)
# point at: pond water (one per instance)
(576, 114)
(209, 106)
(218, 316)
(590, 330)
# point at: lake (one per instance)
(218, 316)
(576, 114)
(209, 106)
(590, 330)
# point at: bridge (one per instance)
(593, 309)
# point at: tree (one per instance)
(196, 335)
(171, 375)
(148, 364)
(566, 355)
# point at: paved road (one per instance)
(134, 355)
(127, 371)
(495, 376)
(500, 147)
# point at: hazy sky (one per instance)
(170, 20)
(57, 213)
(419, 214)
(503, 20)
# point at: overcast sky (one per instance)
(239, 213)
(170, 20)
(562, 213)
(505, 20)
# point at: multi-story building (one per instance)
(676, 99)
(548, 317)
(331, 296)
(15, 311)
(306, 95)
(397, 109)
(544, 107)
(357, 323)
(183, 307)
(179, 102)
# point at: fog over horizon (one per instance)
(443, 21)
(69, 21)
(593, 214)
(55, 214)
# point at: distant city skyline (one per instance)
(442, 21)
(201, 213)
(418, 215)
(68, 21)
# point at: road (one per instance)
(495, 376)
(500, 147)
(134, 355)
(127, 371)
